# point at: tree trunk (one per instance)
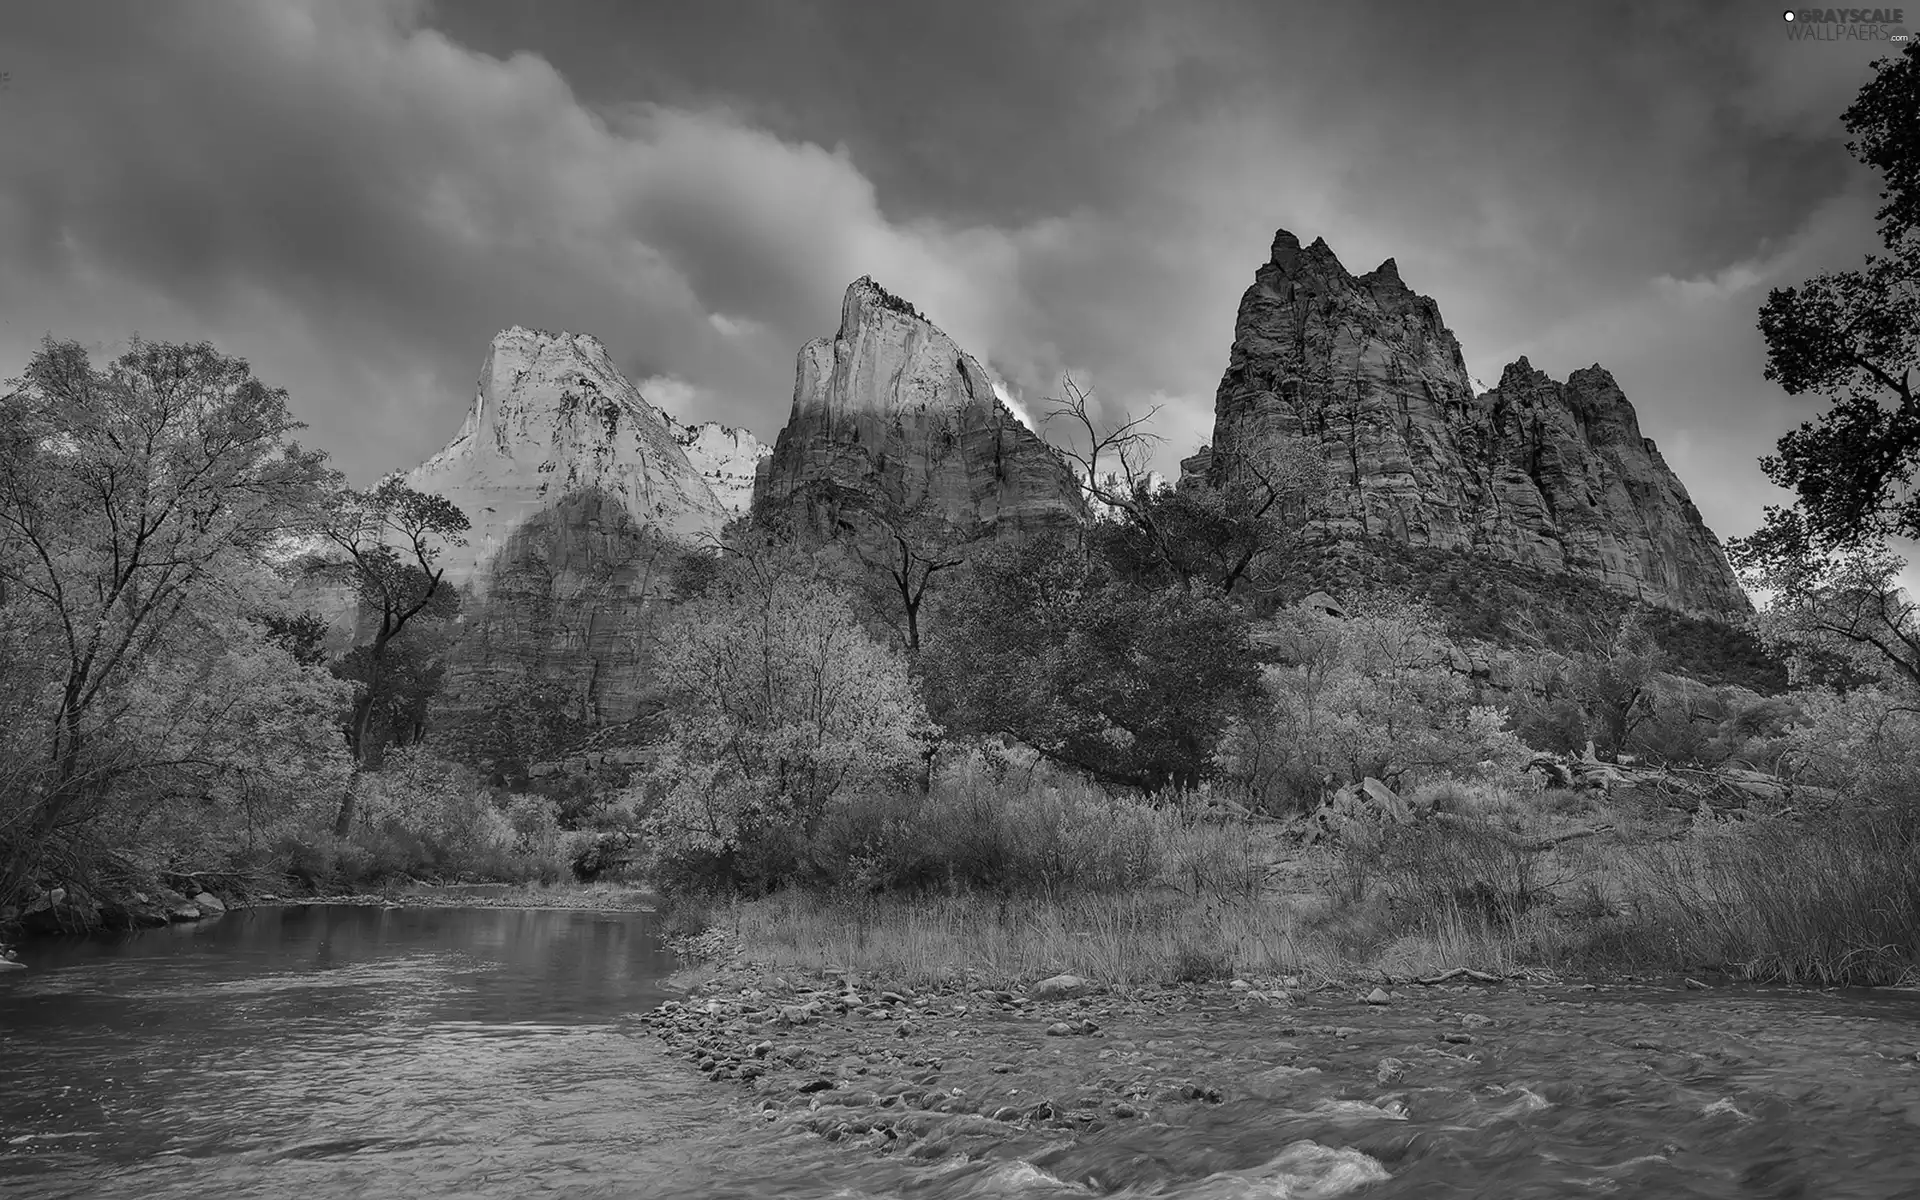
(66, 781)
(363, 755)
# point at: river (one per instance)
(321, 1052)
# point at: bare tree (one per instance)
(1216, 533)
(1124, 443)
(914, 546)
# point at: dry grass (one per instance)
(1833, 901)
(1830, 903)
(1124, 939)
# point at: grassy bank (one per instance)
(1496, 882)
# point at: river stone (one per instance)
(209, 903)
(1378, 996)
(184, 911)
(7, 964)
(1060, 987)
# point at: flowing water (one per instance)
(326, 1052)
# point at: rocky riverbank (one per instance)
(596, 897)
(60, 910)
(52, 910)
(939, 1071)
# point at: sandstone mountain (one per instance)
(576, 488)
(1548, 475)
(727, 458)
(890, 410)
(554, 418)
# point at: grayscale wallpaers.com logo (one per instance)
(1847, 24)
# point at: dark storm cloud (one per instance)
(356, 195)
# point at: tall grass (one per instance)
(1836, 902)
(992, 881)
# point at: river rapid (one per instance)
(319, 1052)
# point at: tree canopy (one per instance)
(137, 499)
(1853, 337)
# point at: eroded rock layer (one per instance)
(1555, 476)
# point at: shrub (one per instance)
(1370, 694)
(779, 705)
(1865, 744)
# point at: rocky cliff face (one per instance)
(577, 489)
(889, 407)
(725, 457)
(553, 417)
(1550, 475)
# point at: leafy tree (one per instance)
(301, 634)
(1133, 685)
(511, 728)
(1372, 693)
(400, 691)
(1614, 679)
(1854, 337)
(391, 537)
(1842, 615)
(779, 704)
(127, 494)
(231, 741)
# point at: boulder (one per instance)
(1061, 987)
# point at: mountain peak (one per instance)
(552, 417)
(866, 296)
(1368, 369)
(891, 409)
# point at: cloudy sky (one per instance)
(356, 194)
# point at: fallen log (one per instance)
(1450, 975)
(1457, 972)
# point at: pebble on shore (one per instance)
(954, 1069)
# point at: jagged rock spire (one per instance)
(1553, 476)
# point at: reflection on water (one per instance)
(332, 1052)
